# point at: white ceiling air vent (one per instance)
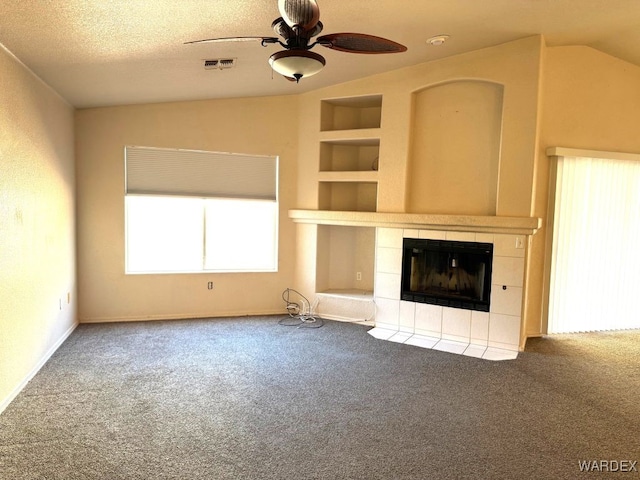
(219, 63)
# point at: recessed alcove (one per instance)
(345, 258)
(351, 113)
(456, 132)
(359, 155)
(347, 196)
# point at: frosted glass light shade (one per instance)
(296, 63)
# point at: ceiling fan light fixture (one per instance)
(296, 63)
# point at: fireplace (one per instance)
(447, 273)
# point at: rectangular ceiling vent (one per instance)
(219, 63)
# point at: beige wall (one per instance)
(265, 126)
(37, 241)
(515, 66)
(590, 101)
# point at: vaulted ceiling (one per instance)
(113, 52)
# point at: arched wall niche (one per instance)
(454, 156)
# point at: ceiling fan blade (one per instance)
(304, 13)
(360, 43)
(235, 39)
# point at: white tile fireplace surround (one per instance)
(493, 335)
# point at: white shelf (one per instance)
(349, 293)
(359, 136)
(346, 305)
(370, 176)
(459, 223)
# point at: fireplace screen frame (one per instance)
(475, 256)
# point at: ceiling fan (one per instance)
(299, 23)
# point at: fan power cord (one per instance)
(300, 312)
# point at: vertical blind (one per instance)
(164, 171)
(595, 264)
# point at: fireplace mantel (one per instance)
(420, 221)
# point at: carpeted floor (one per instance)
(246, 398)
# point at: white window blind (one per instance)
(595, 256)
(162, 171)
(192, 211)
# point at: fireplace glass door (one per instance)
(447, 273)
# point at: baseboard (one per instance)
(150, 318)
(14, 393)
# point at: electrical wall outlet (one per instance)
(519, 242)
(358, 276)
(210, 285)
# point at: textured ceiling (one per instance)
(113, 52)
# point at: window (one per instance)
(192, 211)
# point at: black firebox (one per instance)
(447, 273)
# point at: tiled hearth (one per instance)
(493, 335)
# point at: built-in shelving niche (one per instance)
(345, 260)
(347, 196)
(349, 153)
(351, 113)
(349, 143)
(355, 154)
